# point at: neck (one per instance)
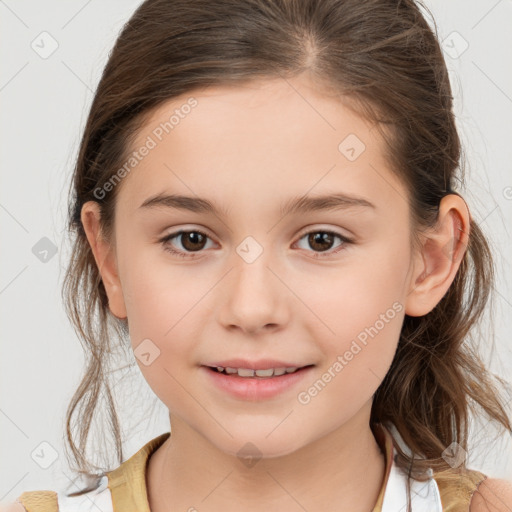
(342, 471)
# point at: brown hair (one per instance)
(381, 57)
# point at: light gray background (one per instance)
(44, 105)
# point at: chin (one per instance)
(250, 444)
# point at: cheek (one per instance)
(159, 295)
(354, 295)
(361, 312)
(167, 308)
(357, 359)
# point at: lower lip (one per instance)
(256, 388)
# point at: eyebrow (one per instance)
(301, 204)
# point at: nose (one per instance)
(255, 297)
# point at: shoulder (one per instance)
(492, 495)
(12, 507)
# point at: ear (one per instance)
(105, 257)
(439, 258)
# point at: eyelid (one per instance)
(315, 228)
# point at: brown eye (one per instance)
(191, 241)
(322, 241)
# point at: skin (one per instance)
(248, 148)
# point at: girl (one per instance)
(265, 206)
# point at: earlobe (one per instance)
(104, 256)
(441, 253)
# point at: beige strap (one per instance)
(127, 483)
(477, 477)
(39, 501)
(457, 497)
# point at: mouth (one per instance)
(258, 374)
(256, 384)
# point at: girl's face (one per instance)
(324, 286)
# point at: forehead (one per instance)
(258, 141)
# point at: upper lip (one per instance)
(261, 364)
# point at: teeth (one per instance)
(263, 373)
(247, 372)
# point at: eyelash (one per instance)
(165, 242)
